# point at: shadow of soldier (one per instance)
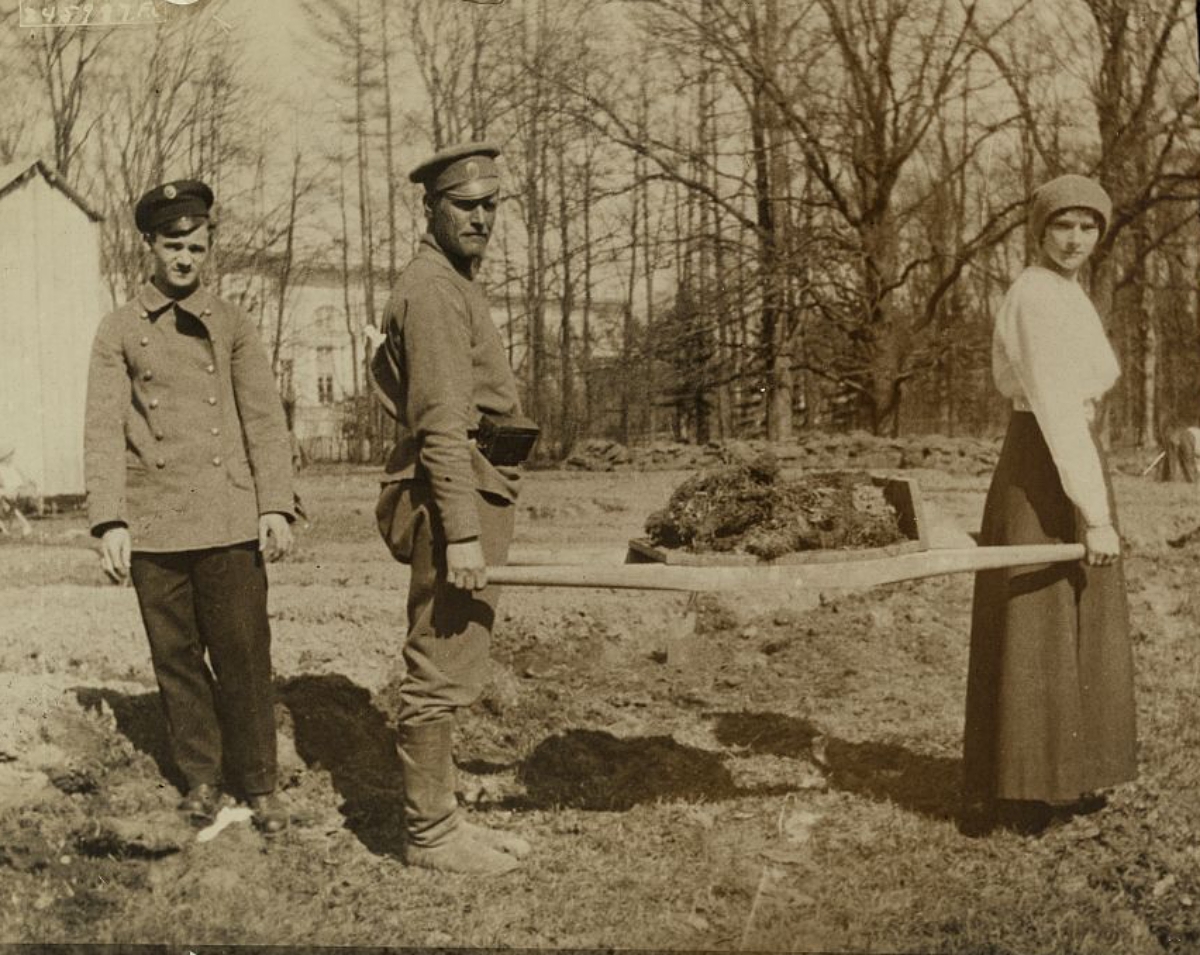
(335, 727)
(339, 729)
(920, 783)
(592, 769)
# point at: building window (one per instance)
(287, 369)
(326, 321)
(325, 375)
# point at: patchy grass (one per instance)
(693, 775)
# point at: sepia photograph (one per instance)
(600, 475)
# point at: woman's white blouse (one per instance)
(1050, 356)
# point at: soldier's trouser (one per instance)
(446, 657)
(446, 653)
(212, 600)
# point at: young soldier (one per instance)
(189, 487)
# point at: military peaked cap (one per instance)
(182, 198)
(464, 171)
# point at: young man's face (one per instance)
(178, 257)
(462, 227)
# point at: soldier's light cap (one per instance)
(183, 198)
(462, 171)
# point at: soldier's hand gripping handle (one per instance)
(465, 566)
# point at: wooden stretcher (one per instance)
(783, 578)
(651, 568)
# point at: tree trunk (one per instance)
(285, 267)
(585, 344)
(374, 419)
(642, 185)
(389, 139)
(567, 419)
(627, 312)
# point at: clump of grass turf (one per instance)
(747, 507)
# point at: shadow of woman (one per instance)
(918, 782)
(594, 770)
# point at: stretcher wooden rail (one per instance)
(846, 574)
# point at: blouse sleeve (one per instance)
(1042, 365)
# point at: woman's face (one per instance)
(1069, 239)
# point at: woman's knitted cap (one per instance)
(1067, 192)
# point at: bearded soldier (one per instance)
(447, 506)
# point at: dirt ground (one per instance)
(724, 772)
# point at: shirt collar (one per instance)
(153, 301)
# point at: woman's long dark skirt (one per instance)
(1050, 708)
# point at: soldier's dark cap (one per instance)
(462, 171)
(183, 199)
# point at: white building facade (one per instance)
(51, 300)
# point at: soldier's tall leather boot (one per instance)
(436, 837)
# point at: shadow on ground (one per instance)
(336, 727)
(339, 729)
(140, 720)
(920, 783)
(591, 769)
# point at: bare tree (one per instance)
(389, 136)
(1142, 125)
(16, 122)
(291, 266)
(1135, 67)
(839, 101)
(144, 131)
(345, 29)
(64, 59)
(450, 47)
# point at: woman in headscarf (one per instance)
(1050, 708)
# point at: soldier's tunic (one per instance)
(450, 366)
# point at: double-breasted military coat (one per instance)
(185, 439)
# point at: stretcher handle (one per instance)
(783, 578)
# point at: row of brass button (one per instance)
(149, 376)
(211, 399)
(162, 463)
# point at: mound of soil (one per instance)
(747, 507)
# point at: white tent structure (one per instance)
(51, 300)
